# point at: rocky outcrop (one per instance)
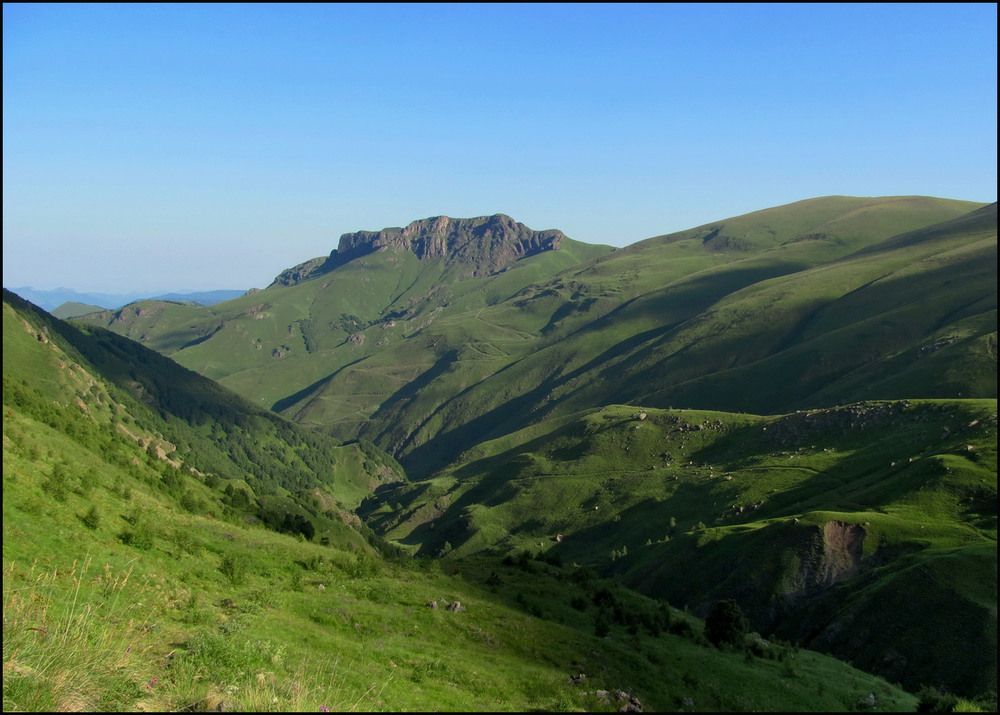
(487, 245)
(298, 273)
(842, 548)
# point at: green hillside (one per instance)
(822, 523)
(845, 298)
(794, 409)
(74, 310)
(135, 580)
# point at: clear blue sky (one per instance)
(211, 146)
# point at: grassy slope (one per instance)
(677, 502)
(717, 336)
(309, 324)
(119, 597)
(180, 422)
(422, 361)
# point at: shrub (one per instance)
(235, 568)
(190, 502)
(92, 519)
(604, 597)
(138, 536)
(56, 484)
(185, 543)
(932, 700)
(602, 625)
(725, 623)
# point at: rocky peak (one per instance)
(487, 244)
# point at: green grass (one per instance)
(696, 506)
(118, 597)
(92, 623)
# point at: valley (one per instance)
(460, 464)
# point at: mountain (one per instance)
(74, 310)
(138, 575)
(482, 246)
(422, 357)
(325, 315)
(794, 409)
(183, 423)
(55, 299)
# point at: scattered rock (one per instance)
(868, 702)
(629, 703)
(577, 679)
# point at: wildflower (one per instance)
(324, 708)
(151, 683)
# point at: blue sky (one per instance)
(170, 147)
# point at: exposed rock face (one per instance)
(291, 276)
(487, 244)
(842, 546)
(831, 554)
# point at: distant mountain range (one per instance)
(53, 299)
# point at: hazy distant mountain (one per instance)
(70, 310)
(52, 299)
(205, 297)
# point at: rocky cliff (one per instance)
(487, 244)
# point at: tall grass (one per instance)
(74, 640)
(81, 639)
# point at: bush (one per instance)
(725, 623)
(139, 536)
(235, 567)
(602, 626)
(932, 700)
(92, 519)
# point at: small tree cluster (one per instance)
(725, 624)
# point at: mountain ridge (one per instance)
(417, 354)
(772, 408)
(485, 243)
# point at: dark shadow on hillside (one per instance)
(801, 365)
(408, 393)
(877, 441)
(285, 402)
(675, 304)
